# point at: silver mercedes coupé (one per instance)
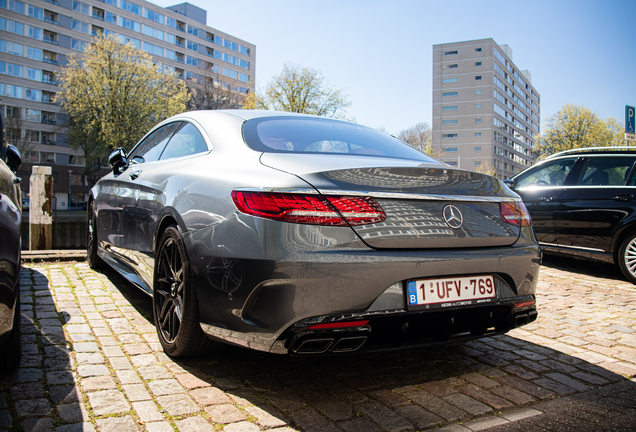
(298, 234)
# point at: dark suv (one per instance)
(583, 204)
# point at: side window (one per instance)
(606, 171)
(151, 147)
(551, 173)
(185, 142)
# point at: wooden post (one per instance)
(41, 209)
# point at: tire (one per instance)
(175, 307)
(93, 260)
(627, 257)
(11, 349)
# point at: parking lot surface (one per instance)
(92, 361)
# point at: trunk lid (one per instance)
(416, 198)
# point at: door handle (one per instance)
(135, 174)
(547, 198)
(626, 197)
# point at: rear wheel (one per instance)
(175, 308)
(93, 260)
(11, 349)
(627, 257)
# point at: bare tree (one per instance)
(16, 134)
(214, 91)
(418, 136)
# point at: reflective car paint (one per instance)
(256, 279)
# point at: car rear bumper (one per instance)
(265, 304)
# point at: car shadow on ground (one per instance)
(583, 267)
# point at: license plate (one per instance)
(455, 291)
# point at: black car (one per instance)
(10, 245)
(583, 204)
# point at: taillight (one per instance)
(515, 213)
(310, 209)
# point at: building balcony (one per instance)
(48, 100)
(50, 21)
(48, 121)
(179, 44)
(53, 62)
(179, 60)
(51, 41)
(49, 81)
(53, 2)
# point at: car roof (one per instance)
(594, 150)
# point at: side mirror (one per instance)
(14, 160)
(510, 183)
(117, 160)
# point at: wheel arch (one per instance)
(618, 239)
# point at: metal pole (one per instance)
(69, 189)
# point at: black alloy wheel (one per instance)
(94, 261)
(627, 257)
(175, 308)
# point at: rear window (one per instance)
(325, 136)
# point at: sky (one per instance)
(380, 52)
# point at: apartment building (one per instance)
(485, 110)
(36, 36)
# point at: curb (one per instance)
(54, 255)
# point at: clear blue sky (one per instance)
(380, 52)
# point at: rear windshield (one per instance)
(325, 136)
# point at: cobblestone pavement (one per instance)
(92, 361)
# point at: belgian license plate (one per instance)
(456, 291)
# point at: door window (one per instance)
(606, 171)
(551, 173)
(151, 147)
(186, 142)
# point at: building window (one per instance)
(477, 106)
(477, 134)
(451, 135)
(446, 94)
(477, 92)
(478, 120)
(449, 121)
(450, 52)
(478, 77)
(449, 80)
(477, 63)
(449, 108)
(477, 49)
(450, 149)
(478, 148)
(477, 163)
(449, 66)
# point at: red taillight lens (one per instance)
(310, 209)
(335, 325)
(515, 213)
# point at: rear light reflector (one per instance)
(515, 213)
(336, 325)
(524, 304)
(310, 209)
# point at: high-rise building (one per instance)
(485, 110)
(36, 36)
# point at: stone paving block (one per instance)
(92, 370)
(162, 426)
(128, 376)
(117, 424)
(556, 387)
(32, 407)
(28, 390)
(194, 424)
(383, 416)
(224, 413)
(73, 413)
(516, 396)
(468, 404)
(25, 375)
(178, 404)
(526, 387)
(98, 383)
(76, 427)
(308, 419)
(64, 394)
(5, 418)
(165, 387)
(59, 377)
(154, 372)
(480, 380)
(147, 411)
(564, 379)
(136, 392)
(241, 427)
(143, 360)
(190, 381)
(209, 396)
(485, 396)
(37, 424)
(590, 378)
(85, 347)
(520, 414)
(436, 405)
(438, 388)
(108, 402)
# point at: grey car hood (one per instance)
(414, 196)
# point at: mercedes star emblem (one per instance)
(453, 216)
